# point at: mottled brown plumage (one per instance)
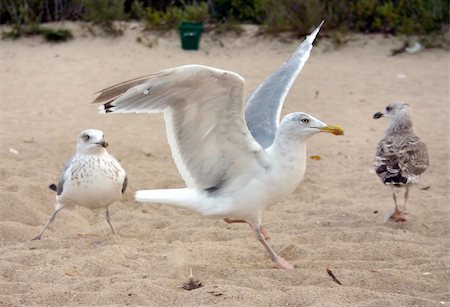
(401, 156)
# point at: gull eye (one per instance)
(389, 109)
(305, 120)
(86, 137)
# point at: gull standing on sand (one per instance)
(234, 165)
(92, 178)
(401, 156)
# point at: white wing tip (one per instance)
(150, 196)
(313, 34)
(141, 196)
(101, 109)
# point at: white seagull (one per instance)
(92, 178)
(401, 156)
(234, 166)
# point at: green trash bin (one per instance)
(190, 33)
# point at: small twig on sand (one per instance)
(334, 278)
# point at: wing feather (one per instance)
(264, 105)
(116, 90)
(401, 158)
(63, 176)
(203, 109)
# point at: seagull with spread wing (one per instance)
(235, 163)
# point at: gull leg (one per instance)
(394, 196)
(58, 208)
(261, 227)
(264, 232)
(396, 215)
(406, 198)
(275, 258)
(109, 221)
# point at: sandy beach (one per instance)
(334, 220)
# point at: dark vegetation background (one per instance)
(405, 17)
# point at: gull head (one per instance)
(305, 126)
(394, 111)
(398, 114)
(91, 141)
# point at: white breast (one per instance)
(249, 194)
(92, 181)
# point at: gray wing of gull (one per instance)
(63, 177)
(263, 109)
(203, 108)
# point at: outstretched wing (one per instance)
(203, 109)
(264, 105)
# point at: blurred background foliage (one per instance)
(409, 17)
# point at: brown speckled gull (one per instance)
(401, 156)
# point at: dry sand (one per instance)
(329, 222)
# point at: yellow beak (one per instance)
(336, 130)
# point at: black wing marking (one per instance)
(400, 158)
(125, 184)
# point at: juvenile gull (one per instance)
(92, 178)
(230, 172)
(401, 156)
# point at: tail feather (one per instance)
(183, 198)
(53, 187)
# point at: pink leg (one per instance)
(264, 232)
(261, 227)
(397, 215)
(275, 258)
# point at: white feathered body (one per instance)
(246, 196)
(227, 173)
(92, 181)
